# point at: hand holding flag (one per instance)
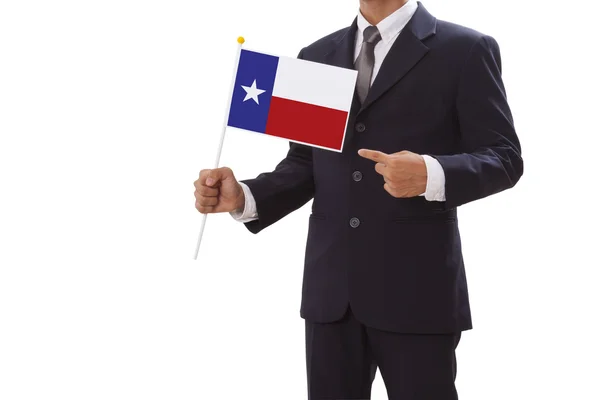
(217, 191)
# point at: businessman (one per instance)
(384, 282)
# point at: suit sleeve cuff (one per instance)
(436, 180)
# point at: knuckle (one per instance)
(204, 209)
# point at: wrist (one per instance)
(240, 202)
(423, 174)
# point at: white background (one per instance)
(109, 109)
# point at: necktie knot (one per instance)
(371, 35)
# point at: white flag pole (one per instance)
(240, 41)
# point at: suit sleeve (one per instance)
(490, 159)
(285, 189)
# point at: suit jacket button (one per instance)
(360, 127)
(357, 176)
(354, 222)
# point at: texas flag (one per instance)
(301, 101)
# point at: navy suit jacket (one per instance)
(399, 264)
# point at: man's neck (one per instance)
(376, 11)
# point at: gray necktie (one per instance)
(365, 61)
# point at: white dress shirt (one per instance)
(389, 28)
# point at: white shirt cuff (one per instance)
(436, 180)
(249, 212)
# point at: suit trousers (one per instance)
(342, 358)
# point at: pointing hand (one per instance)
(404, 173)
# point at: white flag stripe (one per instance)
(314, 83)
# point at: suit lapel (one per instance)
(342, 55)
(406, 52)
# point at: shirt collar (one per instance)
(392, 24)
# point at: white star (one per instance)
(252, 92)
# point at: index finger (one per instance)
(203, 175)
(373, 155)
